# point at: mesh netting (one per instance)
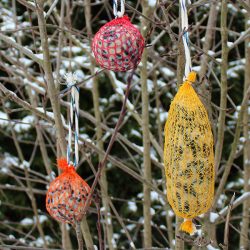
(66, 195)
(118, 45)
(188, 154)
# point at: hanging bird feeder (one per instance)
(118, 45)
(188, 148)
(66, 196)
(188, 156)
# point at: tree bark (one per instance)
(52, 91)
(147, 233)
(223, 87)
(86, 234)
(205, 94)
(179, 243)
(244, 235)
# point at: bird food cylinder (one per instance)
(189, 156)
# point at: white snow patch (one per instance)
(114, 242)
(210, 247)
(152, 3)
(154, 196)
(29, 221)
(42, 218)
(11, 237)
(102, 209)
(232, 8)
(130, 227)
(210, 53)
(235, 68)
(22, 240)
(132, 245)
(109, 221)
(213, 217)
(35, 86)
(25, 61)
(163, 116)
(4, 170)
(161, 83)
(3, 119)
(24, 164)
(81, 59)
(140, 195)
(135, 133)
(163, 227)
(68, 64)
(167, 72)
(39, 241)
(132, 206)
(9, 160)
(150, 85)
(50, 114)
(237, 183)
(116, 236)
(74, 49)
(196, 68)
(26, 222)
(40, 56)
(25, 125)
(171, 213)
(242, 139)
(152, 211)
(80, 74)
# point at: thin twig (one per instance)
(112, 140)
(226, 231)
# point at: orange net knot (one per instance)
(67, 195)
(191, 77)
(63, 165)
(188, 226)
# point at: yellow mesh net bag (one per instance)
(189, 156)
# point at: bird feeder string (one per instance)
(115, 8)
(71, 80)
(185, 38)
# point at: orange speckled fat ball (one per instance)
(67, 195)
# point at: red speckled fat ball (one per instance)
(118, 45)
(67, 194)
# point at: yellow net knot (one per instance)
(191, 77)
(188, 226)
